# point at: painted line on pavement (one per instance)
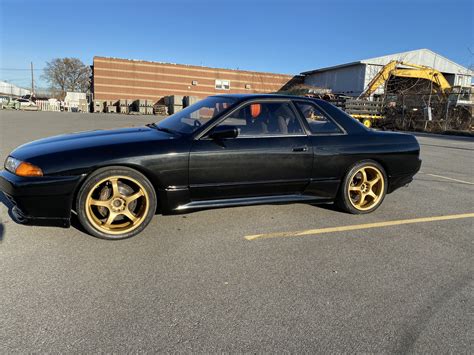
(448, 178)
(358, 226)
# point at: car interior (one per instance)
(272, 118)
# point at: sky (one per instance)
(280, 36)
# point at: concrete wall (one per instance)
(115, 79)
(346, 80)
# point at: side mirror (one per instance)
(224, 131)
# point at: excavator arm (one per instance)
(381, 77)
(417, 71)
(428, 74)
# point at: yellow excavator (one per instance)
(409, 71)
(368, 111)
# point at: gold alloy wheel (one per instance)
(366, 188)
(117, 205)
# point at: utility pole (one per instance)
(32, 81)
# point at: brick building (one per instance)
(115, 79)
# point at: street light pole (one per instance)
(32, 82)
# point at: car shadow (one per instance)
(330, 206)
(76, 224)
(8, 204)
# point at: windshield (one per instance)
(192, 117)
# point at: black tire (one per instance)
(87, 212)
(344, 200)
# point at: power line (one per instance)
(19, 69)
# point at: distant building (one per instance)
(9, 89)
(352, 78)
(115, 79)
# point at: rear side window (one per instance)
(318, 121)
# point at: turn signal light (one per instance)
(27, 169)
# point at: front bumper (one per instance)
(43, 200)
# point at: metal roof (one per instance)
(419, 56)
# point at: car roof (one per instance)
(260, 96)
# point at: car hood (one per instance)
(87, 141)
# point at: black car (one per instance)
(225, 150)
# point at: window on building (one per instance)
(265, 118)
(318, 121)
(222, 84)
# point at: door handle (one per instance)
(300, 149)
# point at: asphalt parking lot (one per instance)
(195, 282)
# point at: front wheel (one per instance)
(116, 203)
(363, 188)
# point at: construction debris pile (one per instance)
(416, 104)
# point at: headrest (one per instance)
(221, 106)
(255, 110)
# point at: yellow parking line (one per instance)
(448, 178)
(359, 226)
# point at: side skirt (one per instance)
(250, 201)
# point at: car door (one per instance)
(271, 155)
(329, 141)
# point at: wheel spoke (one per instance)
(133, 197)
(100, 203)
(364, 175)
(110, 219)
(130, 215)
(115, 189)
(362, 200)
(372, 194)
(354, 188)
(374, 180)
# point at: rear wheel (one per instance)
(364, 188)
(116, 203)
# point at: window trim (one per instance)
(327, 115)
(222, 86)
(203, 134)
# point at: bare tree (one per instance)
(67, 74)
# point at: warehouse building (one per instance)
(352, 78)
(9, 89)
(115, 79)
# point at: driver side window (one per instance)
(265, 119)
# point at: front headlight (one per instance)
(22, 168)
